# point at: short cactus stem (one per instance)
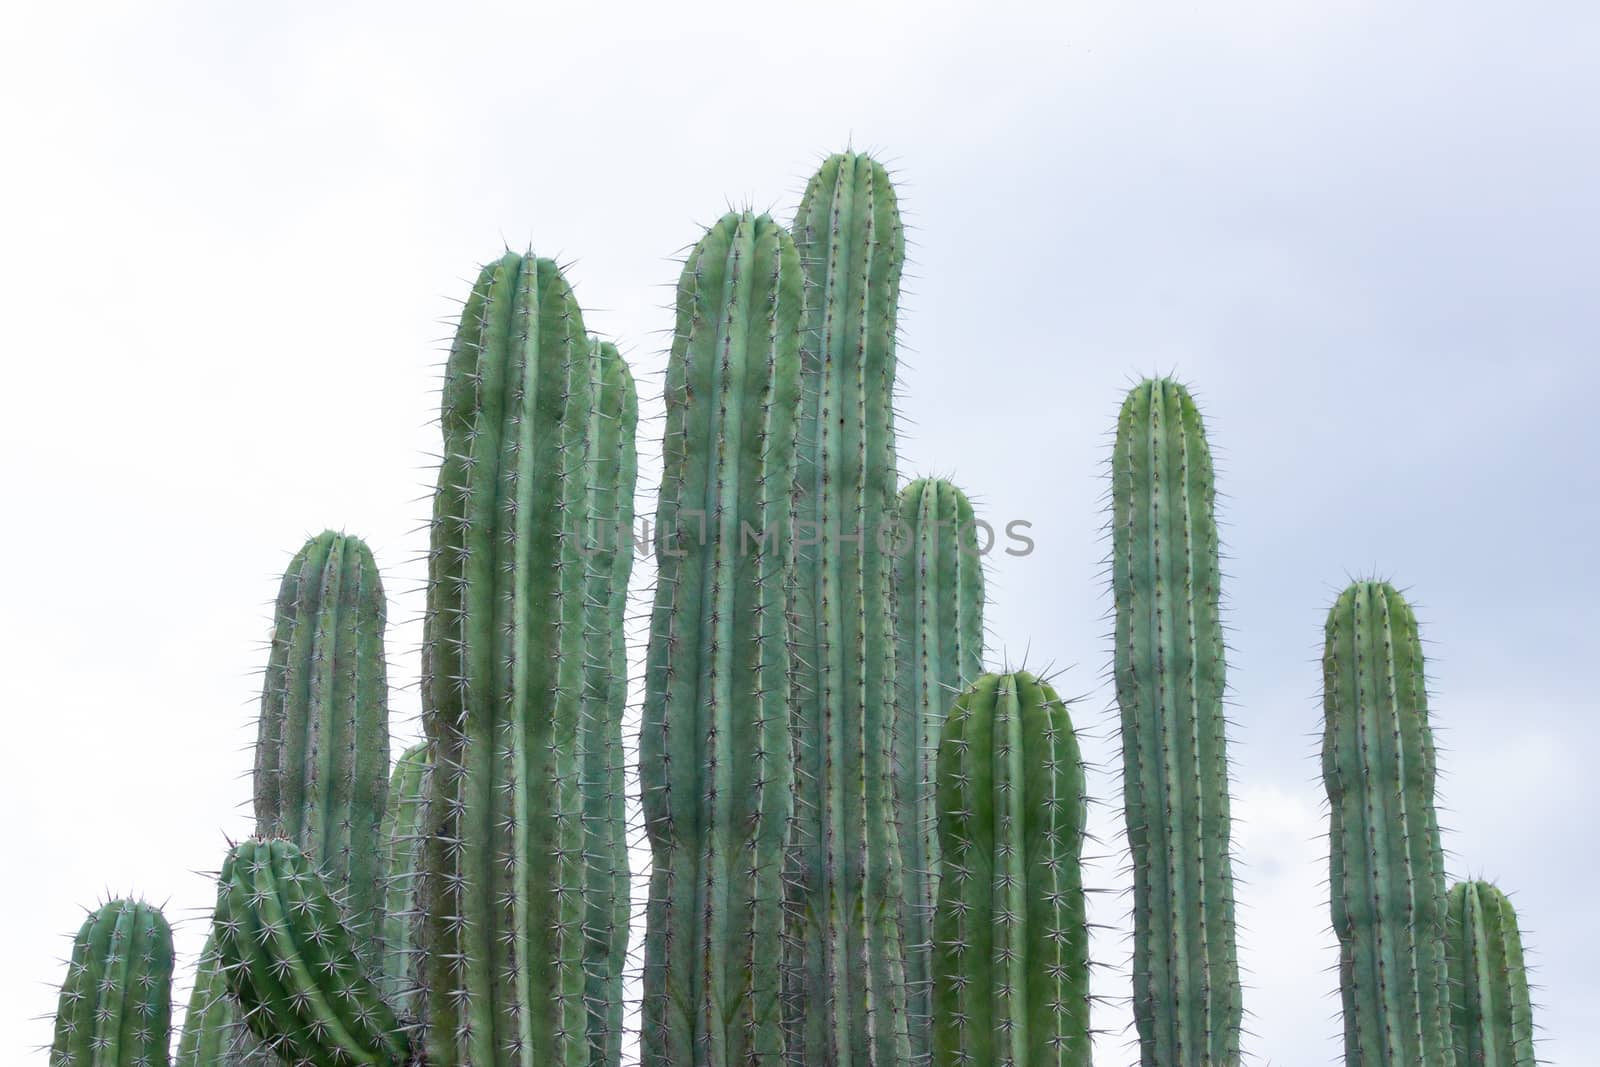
(1386, 863)
(507, 883)
(1170, 680)
(715, 760)
(845, 974)
(115, 1007)
(1010, 957)
(1491, 1013)
(322, 751)
(402, 825)
(938, 652)
(290, 961)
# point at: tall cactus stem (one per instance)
(846, 978)
(938, 652)
(1386, 864)
(1170, 679)
(715, 760)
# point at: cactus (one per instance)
(845, 973)
(322, 750)
(1387, 887)
(402, 823)
(611, 473)
(715, 750)
(1010, 958)
(212, 1034)
(291, 962)
(1170, 679)
(116, 1003)
(505, 884)
(1491, 1013)
(938, 652)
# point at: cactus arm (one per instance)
(1010, 960)
(846, 975)
(1387, 896)
(401, 840)
(939, 650)
(715, 745)
(1492, 1012)
(322, 752)
(115, 1006)
(211, 1024)
(1170, 675)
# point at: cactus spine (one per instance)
(1010, 958)
(402, 823)
(1491, 1014)
(116, 1003)
(1170, 678)
(505, 880)
(322, 751)
(938, 652)
(846, 976)
(611, 473)
(715, 749)
(291, 961)
(1386, 863)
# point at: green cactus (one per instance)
(938, 652)
(1010, 958)
(845, 973)
(402, 823)
(291, 962)
(212, 1034)
(115, 1007)
(322, 750)
(1386, 863)
(715, 750)
(1491, 1012)
(1170, 680)
(611, 473)
(505, 878)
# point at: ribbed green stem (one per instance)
(291, 962)
(1171, 676)
(1385, 859)
(402, 826)
(322, 750)
(115, 1008)
(1491, 1011)
(211, 1022)
(1010, 959)
(611, 466)
(845, 973)
(505, 876)
(938, 652)
(715, 759)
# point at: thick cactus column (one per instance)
(1010, 958)
(715, 759)
(938, 652)
(1385, 859)
(1170, 677)
(506, 886)
(322, 750)
(1491, 1012)
(290, 961)
(402, 844)
(611, 473)
(116, 1003)
(846, 964)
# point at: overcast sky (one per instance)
(1367, 234)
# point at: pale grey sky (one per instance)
(1366, 233)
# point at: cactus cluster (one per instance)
(866, 851)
